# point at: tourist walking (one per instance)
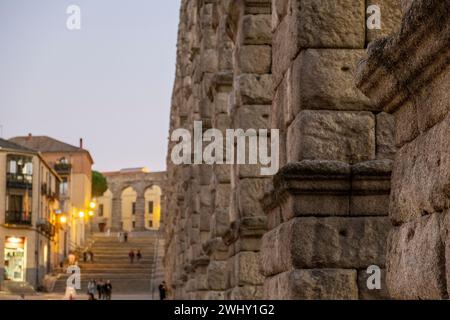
(131, 255)
(108, 290)
(162, 290)
(92, 287)
(139, 255)
(100, 289)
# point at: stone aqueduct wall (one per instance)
(312, 230)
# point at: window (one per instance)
(18, 208)
(64, 187)
(150, 207)
(100, 210)
(12, 168)
(134, 224)
(133, 208)
(150, 223)
(20, 168)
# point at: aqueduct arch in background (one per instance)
(140, 181)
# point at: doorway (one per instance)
(15, 259)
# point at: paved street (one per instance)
(51, 296)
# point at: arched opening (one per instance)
(128, 220)
(152, 207)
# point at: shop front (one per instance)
(15, 258)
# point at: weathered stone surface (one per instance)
(406, 124)
(219, 221)
(253, 89)
(245, 293)
(256, 30)
(312, 24)
(252, 117)
(244, 269)
(328, 284)
(332, 135)
(307, 243)
(216, 275)
(324, 79)
(255, 59)
(433, 101)
(249, 193)
(370, 190)
(416, 260)
(385, 136)
(421, 175)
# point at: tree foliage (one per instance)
(99, 184)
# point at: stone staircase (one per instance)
(111, 262)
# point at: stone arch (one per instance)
(140, 183)
(153, 201)
(128, 198)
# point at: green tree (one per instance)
(99, 184)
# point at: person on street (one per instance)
(100, 289)
(108, 290)
(92, 287)
(162, 290)
(131, 255)
(125, 237)
(139, 255)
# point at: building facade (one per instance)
(30, 232)
(74, 165)
(132, 202)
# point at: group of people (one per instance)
(101, 289)
(132, 255)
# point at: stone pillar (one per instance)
(327, 210)
(249, 108)
(140, 212)
(408, 75)
(116, 212)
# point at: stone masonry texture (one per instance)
(364, 176)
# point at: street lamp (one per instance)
(92, 205)
(81, 214)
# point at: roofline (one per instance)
(75, 151)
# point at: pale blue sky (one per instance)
(109, 82)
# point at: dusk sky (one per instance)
(109, 82)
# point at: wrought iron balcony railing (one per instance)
(63, 168)
(46, 227)
(18, 217)
(20, 181)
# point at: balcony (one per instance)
(18, 218)
(46, 228)
(63, 168)
(19, 181)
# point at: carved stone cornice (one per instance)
(398, 66)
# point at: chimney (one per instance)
(81, 143)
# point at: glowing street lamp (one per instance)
(92, 205)
(63, 219)
(81, 214)
(91, 213)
